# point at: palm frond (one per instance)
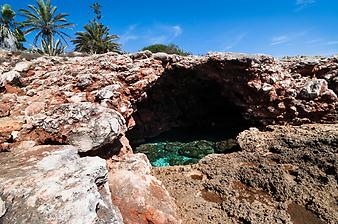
(43, 18)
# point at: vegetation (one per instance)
(47, 25)
(169, 49)
(11, 37)
(96, 38)
(44, 20)
(51, 48)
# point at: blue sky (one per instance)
(276, 27)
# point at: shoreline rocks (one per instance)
(54, 109)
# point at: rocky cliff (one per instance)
(66, 122)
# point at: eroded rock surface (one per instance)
(285, 175)
(263, 90)
(52, 184)
(90, 102)
(140, 197)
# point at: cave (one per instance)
(189, 113)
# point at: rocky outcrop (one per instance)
(52, 184)
(285, 175)
(161, 90)
(89, 106)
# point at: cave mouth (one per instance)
(187, 115)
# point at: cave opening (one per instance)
(187, 115)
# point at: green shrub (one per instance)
(169, 49)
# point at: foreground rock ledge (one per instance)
(52, 184)
(286, 175)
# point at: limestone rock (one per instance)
(141, 55)
(23, 66)
(281, 173)
(52, 184)
(313, 89)
(9, 78)
(162, 56)
(2, 208)
(84, 81)
(107, 92)
(85, 125)
(149, 202)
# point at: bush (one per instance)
(169, 49)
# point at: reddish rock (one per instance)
(141, 198)
(4, 109)
(34, 108)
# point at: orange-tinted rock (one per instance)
(12, 89)
(34, 108)
(4, 109)
(8, 124)
(140, 197)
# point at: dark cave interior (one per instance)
(187, 106)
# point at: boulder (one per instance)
(140, 197)
(316, 88)
(9, 78)
(161, 56)
(85, 125)
(107, 92)
(23, 66)
(52, 184)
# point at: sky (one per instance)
(275, 27)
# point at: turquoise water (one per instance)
(172, 153)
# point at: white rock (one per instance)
(56, 186)
(23, 66)
(9, 77)
(107, 92)
(2, 208)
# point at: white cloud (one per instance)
(154, 34)
(128, 35)
(334, 42)
(301, 4)
(305, 2)
(177, 30)
(235, 41)
(287, 38)
(157, 39)
(280, 40)
(163, 33)
(314, 41)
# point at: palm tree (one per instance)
(44, 20)
(96, 38)
(11, 37)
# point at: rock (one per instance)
(164, 57)
(84, 81)
(295, 165)
(23, 66)
(85, 125)
(9, 124)
(313, 89)
(55, 185)
(141, 55)
(267, 87)
(140, 197)
(9, 78)
(2, 208)
(197, 149)
(107, 92)
(34, 108)
(4, 109)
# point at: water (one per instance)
(183, 147)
